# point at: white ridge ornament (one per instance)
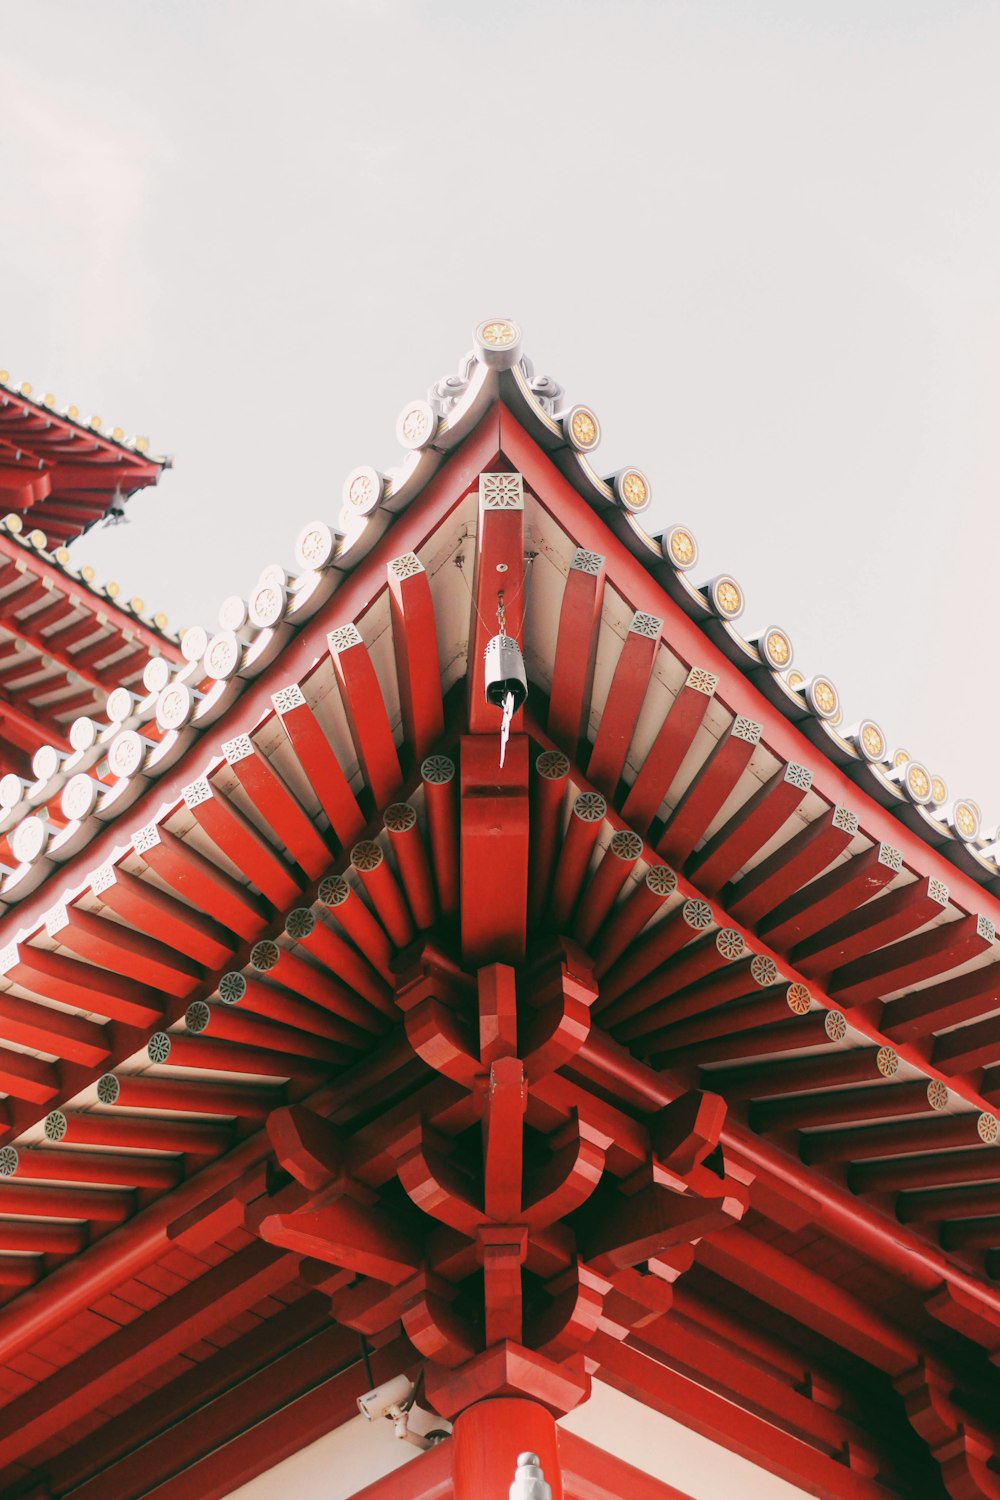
(529, 1479)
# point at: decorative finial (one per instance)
(529, 1481)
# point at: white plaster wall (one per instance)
(336, 1466)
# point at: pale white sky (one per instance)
(762, 241)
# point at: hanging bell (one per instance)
(504, 672)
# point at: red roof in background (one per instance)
(60, 473)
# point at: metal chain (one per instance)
(501, 614)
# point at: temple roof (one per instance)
(255, 884)
(63, 472)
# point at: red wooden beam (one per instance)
(46, 1029)
(137, 1133)
(366, 712)
(141, 1091)
(841, 1107)
(124, 1169)
(732, 1427)
(623, 703)
(548, 790)
(437, 774)
(576, 649)
(750, 828)
(495, 827)
(668, 937)
(122, 1358)
(182, 1051)
(876, 923)
(118, 948)
(911, 961)
(936, 1133)
(625, 924)
(323, 770)
(278, 806)
(26, 1077)
(950, 1003)
(648, 1005)
(940, 1169)
(318, 985)
(831, 897)
(241, 843)
(799, 1075)
(674, 739)
(777, 1279)
(585, 819)
(372, 869)
(770, 1036)
(348, 909)
(147, 908)
(709, 789)
(56, 976)
(165, 1410)
(415, 643)
(740, 979)
(401, 825)
(311, 932)
(967, 1047)
(220, 1022)
(934, 1204)
(601, 892)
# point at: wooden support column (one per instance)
(576, 649)
(494, 806)
(489, 1438)
(415, 643)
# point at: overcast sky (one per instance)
(762, 241)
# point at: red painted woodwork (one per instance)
(366, 713)
(499, 575)
(624, 701)
(830, 898)
(414, 640)
(673, 741)
(494, 834)
(487, 1441)
(709, 790)
(749, 829)
(440, 788)
(315, 755)
(576, 650)
(498, 1176)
